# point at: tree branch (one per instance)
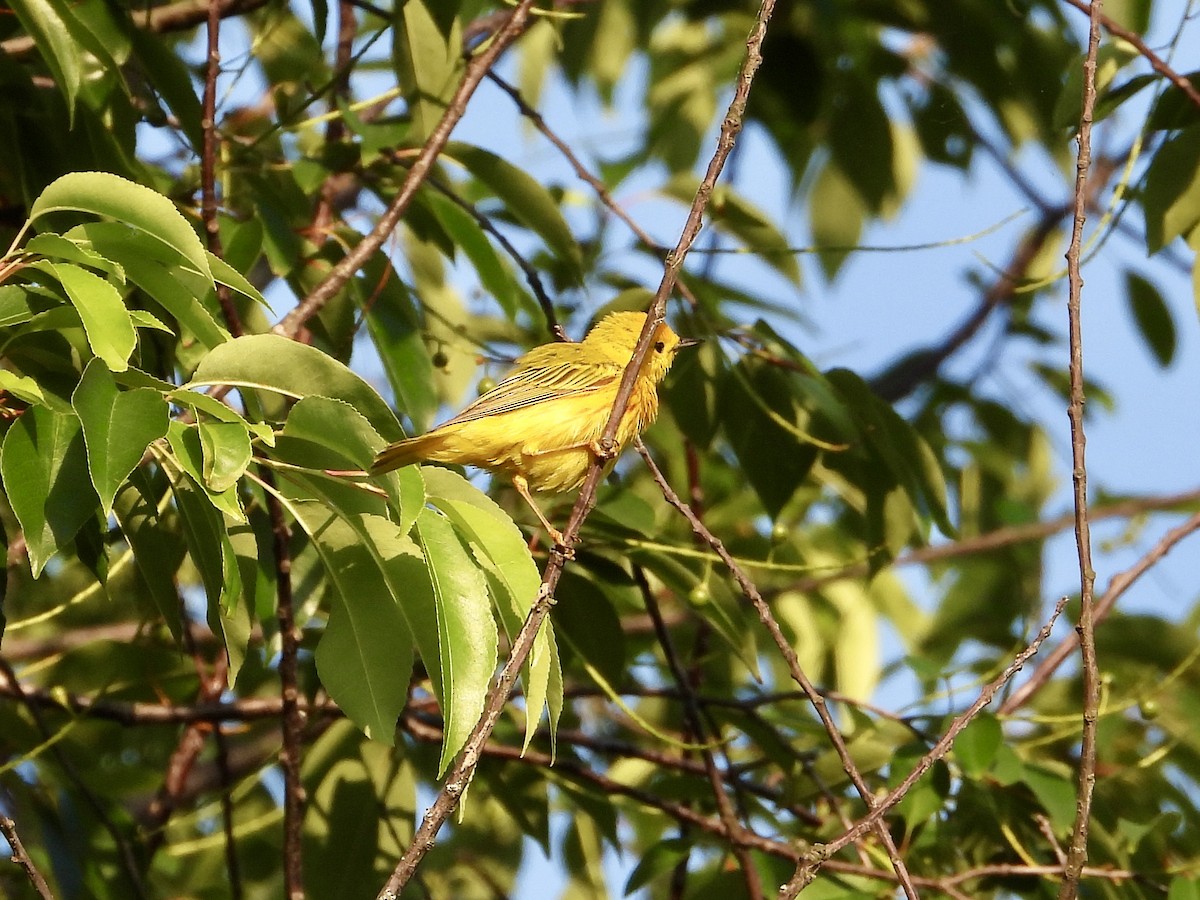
(357, 257)
(1077, 850)
(752, 594)
(20, 856)
(815, 859)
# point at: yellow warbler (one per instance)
(542, 424)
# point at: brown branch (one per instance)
(335, 128)
(293, 717)
(815, 859)
(460, 774)
(752, 594)
(20, 856)
(208, 164)
(1117, 587)
(695, 723)
(1156, 62)
(170, 17)
(1077, 849)
(358, 256)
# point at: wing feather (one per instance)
(528, 385)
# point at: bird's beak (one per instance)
(689, 342)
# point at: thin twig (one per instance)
(1134, 39)
(815, 859)
(293, 716)
(788, 652)
(1117, 587)
(20, 856)
(461, 772)
(208, 163)
(531, 275)
(1077, 849)
(691, 711)
(370, 243)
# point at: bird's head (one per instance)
(617, 335)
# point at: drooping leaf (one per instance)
(1153, 317)
(44, 466)
(156, 548)
(365, 655)
(498, 546)
(117, 427)
(44, 22)
(429, 62)
(466, 630)
(1172, 194)
(337, 426)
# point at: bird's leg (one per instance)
(560, 541)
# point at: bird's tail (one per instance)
(404, 453)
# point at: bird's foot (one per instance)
(601, 452)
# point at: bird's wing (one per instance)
(531, 383)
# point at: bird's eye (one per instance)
(658, 347)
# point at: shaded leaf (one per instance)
(118, 426)
(1153, 317)
(44, 466)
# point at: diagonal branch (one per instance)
(370, 243)
(1118, 586)
(751, 593)
(807, 870)
(20, 856)
(1117, 30)
(460, 774)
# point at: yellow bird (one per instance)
(542, 424)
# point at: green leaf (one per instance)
(170, 77)
(1174, 109)
(976, 747)
(365, 655)
(1184, 888)
(118, 426)
(273, 363)
(836, 216)
(531, 204)
(44, 466)
(152, 267)
(340, 844)
(30, 391)
(339, 427)
(113, 197)
(429, 64)
(209, 546)
(656, 862)
(466, 630)
(20, 303)
(189, 455)
(773, 459)
(157, 549)
(225, 274)
(498, 546)
(398, 336)
(55, 246)
(1172, 196)
(106, 321)
(44, 22)
(226, 448)
(468, 237)
(1153, 317)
